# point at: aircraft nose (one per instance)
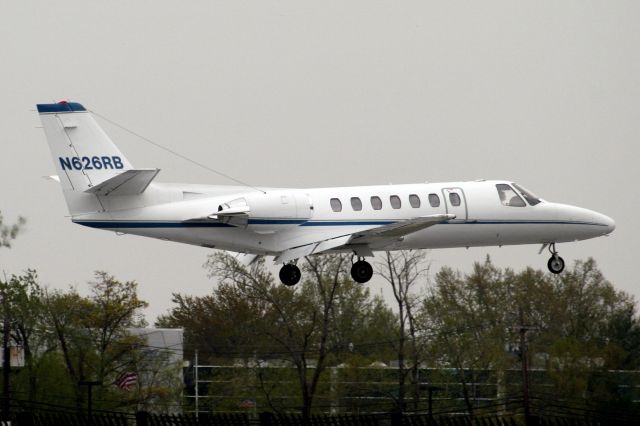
(608, 222)
(596, 223)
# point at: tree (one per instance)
(224, 324)
(115, 307)
(23, 304)
(403, 270)
(298, 320)
(9, 232)
(595, 331)
(580, 328)
(91, 332)
(465, 317)
(251, 320)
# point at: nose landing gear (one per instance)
(361, 271)
(555, 263)
(290, 274)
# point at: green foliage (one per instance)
(319, 346)
(252, 320)
(91, 332)
(10, 232)
(579, 326)
(67, 337)
(465, 329)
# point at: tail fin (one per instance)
(83, 154)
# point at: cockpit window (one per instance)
(509, 197)
(528, 195)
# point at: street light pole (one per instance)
(431, 390)
(89, 385)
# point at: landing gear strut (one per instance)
(361, 271)
(290, 274)
(555, 263)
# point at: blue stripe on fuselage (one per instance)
(141, 224)
(123, 224)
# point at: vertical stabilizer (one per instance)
(83, 154)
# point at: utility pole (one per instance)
(524, 360)
(525, 373)
(196, 377)
(6, 360)
(6, 369)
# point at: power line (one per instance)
(177, 154)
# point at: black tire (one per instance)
(290, 274)
(361, 271)
(555, 264)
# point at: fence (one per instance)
(357, 390)
(269, 419)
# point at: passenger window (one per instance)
(376, 203)
(336, 205)
(434, 200)
(395, 201)
(454, 198)
(414, 200)
(356, 204)
(509, 197)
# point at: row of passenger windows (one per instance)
(394, 201)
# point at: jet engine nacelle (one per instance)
(267, 211)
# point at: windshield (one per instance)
(509, 197)
(528, 195)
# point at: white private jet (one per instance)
(103, 190)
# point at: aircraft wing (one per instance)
(398, 229)
(359, 241)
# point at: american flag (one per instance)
(126, 380)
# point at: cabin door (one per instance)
(455, 202)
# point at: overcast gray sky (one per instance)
(326, 93)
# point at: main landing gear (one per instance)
(361, 271)
(290, 274)
(555, 263)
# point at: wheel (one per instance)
(290, 274)
(555, 264)
(361, 271)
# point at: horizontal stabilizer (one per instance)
(231, 211)
(131, 182)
